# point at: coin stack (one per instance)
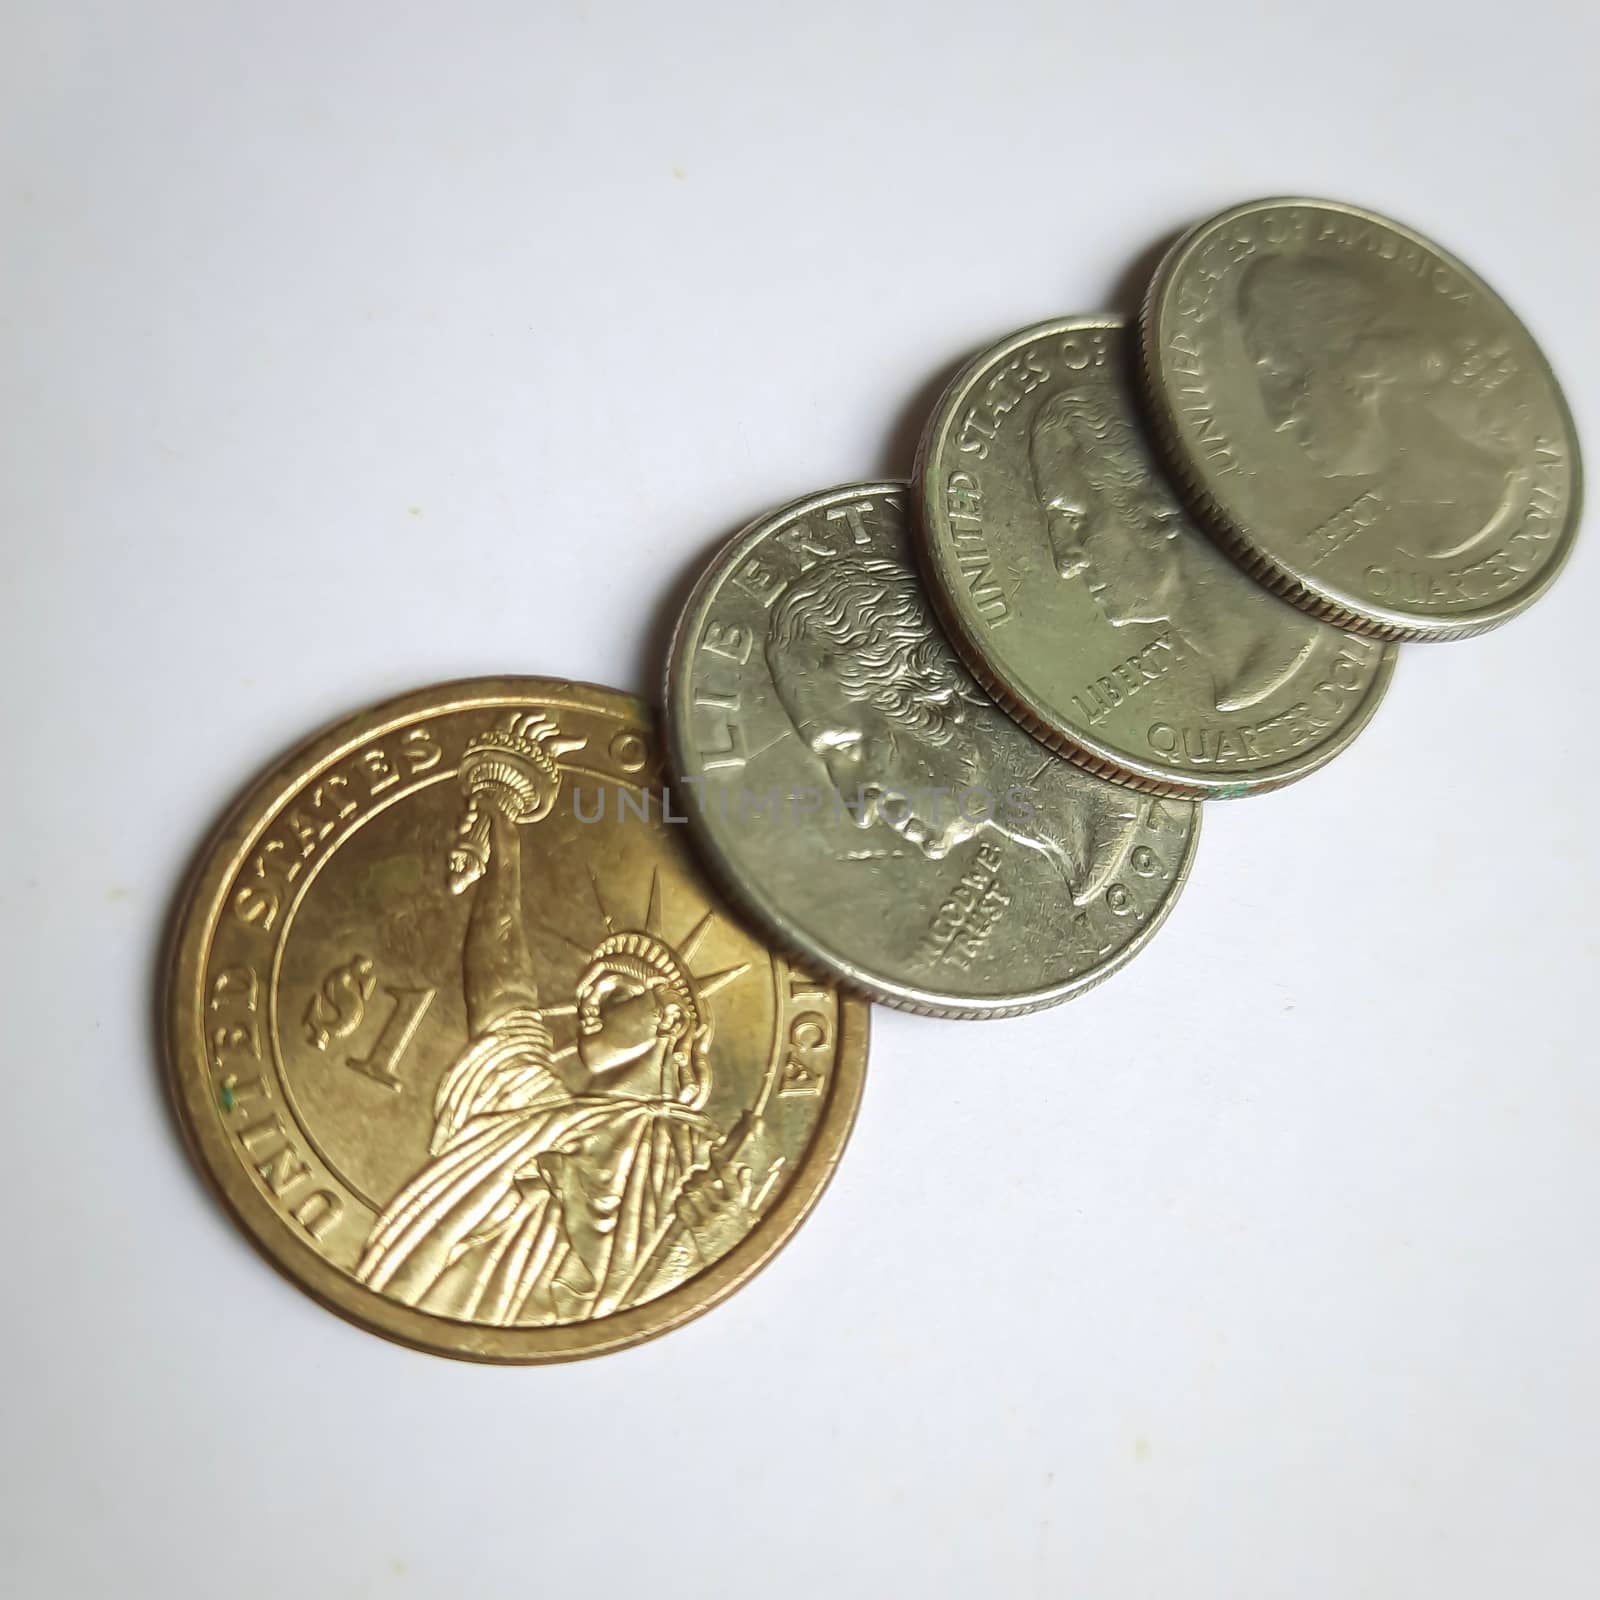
(489, 1059)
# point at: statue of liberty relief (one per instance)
(562, 1185)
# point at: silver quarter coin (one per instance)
(1360, 420)
(1085, 599)
(860, 795)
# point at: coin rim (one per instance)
(189, 1081)
(734, 877)
(1233, 534)
(1105, 761)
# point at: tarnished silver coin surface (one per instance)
(862, 797)
(1084, 598)
(1360, 419)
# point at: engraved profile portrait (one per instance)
(561, 1185)
(1113, 526)
(1364, 396)
(877, 695)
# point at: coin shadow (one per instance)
(897, 457)
(158, 988)
(898, 453)
(894, 460)
(1129, 287)
(650, 665)
(1128, 291)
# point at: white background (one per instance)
(344, 348)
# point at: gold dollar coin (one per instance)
(473, 1053)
